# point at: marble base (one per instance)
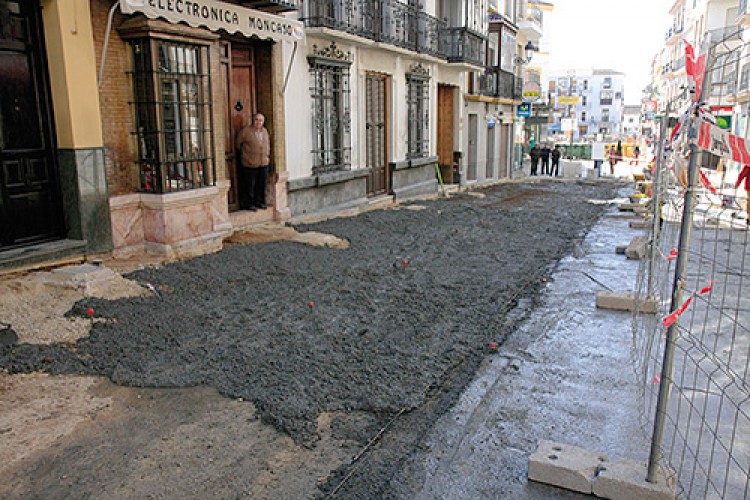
(174, 225)
(83, 183)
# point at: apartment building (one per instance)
(588, 104)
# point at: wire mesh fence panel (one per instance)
(706, 432)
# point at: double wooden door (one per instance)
(30, 208)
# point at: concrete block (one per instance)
(625, 301)
(565, 466)
(641, 210)
(638, 248)
(626, 479)
(80, 276)
(629, 207)
(641, 223)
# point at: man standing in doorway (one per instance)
(254, 147)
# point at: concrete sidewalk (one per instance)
(565, 375)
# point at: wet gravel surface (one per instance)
(388, 331)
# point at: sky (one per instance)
(607, 34)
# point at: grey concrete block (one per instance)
(626, 479)
(629, 207)
(638, 248)
(641, 223)
(565, 466)
(624, 301)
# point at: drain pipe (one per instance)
(106, 41)
(289, 69)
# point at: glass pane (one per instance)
(19, 114)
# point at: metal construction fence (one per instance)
(692, 357)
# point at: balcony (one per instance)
(743, 18)
(530, 25)
(398, 24)
(461, 45)
(495, 82)
(387, 21)
(727, 38)
(673, 35)
(273, 6)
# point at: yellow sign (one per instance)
(567, 100)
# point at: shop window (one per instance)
(418, 109)
(173, 120)
(331, 115)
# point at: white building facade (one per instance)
(588, 103)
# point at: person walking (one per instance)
(555, 155)
(636, 154)
(613, 158)
(535, 154)
(546, 151)
(254, 147)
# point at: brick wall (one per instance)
(115, 95)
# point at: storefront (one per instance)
(118, 119)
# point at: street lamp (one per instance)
(528, 51)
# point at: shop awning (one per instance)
(217, 16)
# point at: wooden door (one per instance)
(30, 208)
(239, 75)
(490, 167)
(376, 130)
(471, 159)
(445, 132)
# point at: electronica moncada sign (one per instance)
(216, 16)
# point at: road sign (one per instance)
(531, 92)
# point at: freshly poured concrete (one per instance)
(564, 376)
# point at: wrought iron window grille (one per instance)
(331, 112)
(173, 117)
(418, 109)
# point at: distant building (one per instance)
(587, 103)
(631, 120)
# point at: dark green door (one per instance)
(29, 191)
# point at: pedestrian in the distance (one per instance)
(546, 151)
(613, 159)
(254, 147)
(636, 154)
(556, 154)
(535, 154)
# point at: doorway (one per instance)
(238, 75)
(445, 133)
(505, 152)
(471, 160)
(376, 129)
(30, 206)
(490, 168)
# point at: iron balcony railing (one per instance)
(398, 24)
(495, 82)
(275, 6)
(462, 45)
